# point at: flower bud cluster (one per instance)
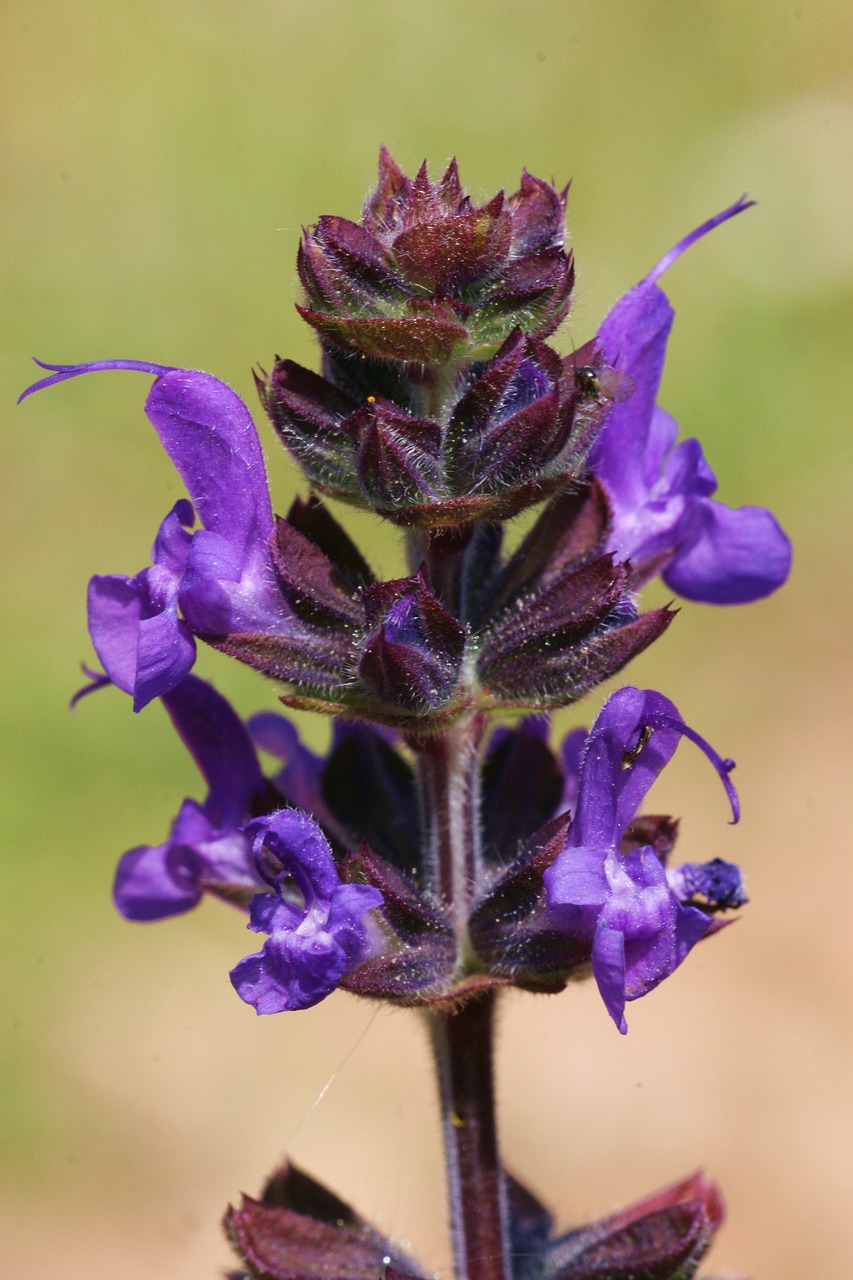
(441, 404)
(428, 278)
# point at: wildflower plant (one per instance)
(442, 850)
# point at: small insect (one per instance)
(603, 383)
(633, 753)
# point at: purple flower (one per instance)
(607, 885)
(664, 517)
(145, 648)
(317, 928)
(299, 779)
(221, 576)
(206, 849)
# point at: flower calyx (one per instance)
(515, 431)
(662, 1237)
(427, 278)
(299, 1229)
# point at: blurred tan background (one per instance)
(158, 161)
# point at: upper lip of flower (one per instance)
(664, 517)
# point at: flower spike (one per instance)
(431, 857)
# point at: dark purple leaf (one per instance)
(662, 1238)
(312, 658)
(399, 457)
(571, 531)
(357, 254)
(301, 1231)
(372, 793)
(417, 975)
(383, 206)
(311, 585)
(430, 336)
(411, 913)
(450, 253)
(556, 619)
(315, 520)
(538, 215)
(556, 680)
(521, 788)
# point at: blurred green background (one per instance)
(158, 162)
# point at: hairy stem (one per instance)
(449, 774)
(463, 1047)
(449, 769)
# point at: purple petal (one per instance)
(156, 881)
(661, 503)
(224, 592)
(165, 652)
(611, 793)
(144, 647)
(685, 470)
(691, 926)
(297, 842)
(274, 734)
(299, 779)
(347, 919)
(577, 879)
(291, 972)
(310, 948)
(633, 337)
(657, 931)
(729, 556)
(114, 612)
(219, 742)
(211, 438)
(571, 754)
(205, 843)
(172, 544)
(209, 434)
(268, 913)
(608, 968)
